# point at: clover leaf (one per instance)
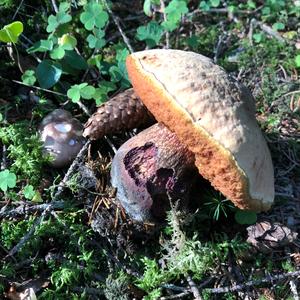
(62, 17)
(93, 16)
(29, 77)
(57, 53)
(174, 12)
(80, 90)
(28, 191)
(297, 61)
(41, 46)
(7, 180)
(67, 41)
(96, 41)
(151, 33)
(10, 33)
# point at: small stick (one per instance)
(17, 10)
(71, 170)
(193, 288)
(116, 21)
(26, 209)
(163, 7)
(251, 283)
(54, 6)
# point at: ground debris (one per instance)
(266, 236)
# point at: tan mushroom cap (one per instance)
(214, 116)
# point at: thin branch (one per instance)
(39, 88)
(194, 289)
(252, 283)
(71, 170)
(55, 8)
(26, 209)
(116, 21)
(163, 7)
(17, 10)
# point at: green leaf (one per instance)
(115, 74)
(101, 92)
(52, 23)
(41, 46)
(245, 217)
(87, 92)
(7, 180)
(297, 61)
(29, 77)
(151, 33)
(67, 41)
(48, 73)
(258, 37)
(93, 15)
(95, 60)
(174, 11)
(278, 26)
(10, 33)
(74, 93)
(28, 191)
(96, 41)
(204, 6)
(147, 8)
(80, 90)
(37, 197)
(62, 17)
(215, 3)
(57, 53)
(251, 4)
(75, 60)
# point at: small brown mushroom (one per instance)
(62, 137)
(151, 169)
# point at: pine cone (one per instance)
(125, 111)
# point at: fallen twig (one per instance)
(71, 170)
(194, 288)
(26, 209)
(163, 7)
(252, 283)
(116, 21)
(267, 29)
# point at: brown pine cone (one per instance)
(125, 111)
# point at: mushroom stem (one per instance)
(151, 169)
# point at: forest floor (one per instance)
(63, 233)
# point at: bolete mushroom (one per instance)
(211, 114)
(62, 137)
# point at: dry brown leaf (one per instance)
(266, 236)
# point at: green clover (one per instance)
(80, 90)
(10, 33)
(29, 77)
(93, 16)
(96, 41)
(7, 180)
(174, 12)
(151, 33)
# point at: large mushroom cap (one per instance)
(213, 115)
